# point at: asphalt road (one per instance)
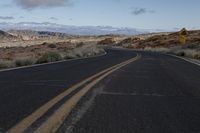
(156, 94)
(23, 91)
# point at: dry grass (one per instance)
(107, 41)
(49, 57)
(3, 66)
(23, 62)
(191, 53)
(84, 50)
(46, 52)
(163, 50)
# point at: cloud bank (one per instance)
(31, 4)
(6, 18)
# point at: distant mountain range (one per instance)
(71, 30)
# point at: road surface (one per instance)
(25, 90)
(156, 93)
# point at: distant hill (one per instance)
(34, 35)
(4, 36)
(26, 35)
(161, 40)
(37, 33)
(71, 30)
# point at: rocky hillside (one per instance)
(160, 42)
(168, 43)
(34, 35)
(166, 40)
(29, 35)
(4, 36)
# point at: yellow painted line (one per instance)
(55, 121)
(26, 122)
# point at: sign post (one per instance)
(183, 36)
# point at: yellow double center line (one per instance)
(52, 124)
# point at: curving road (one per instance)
(23, 91)
(155, 94)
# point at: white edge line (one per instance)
(50, 63)
(184, 59)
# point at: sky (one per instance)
(141, 14)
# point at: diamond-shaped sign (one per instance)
(183, 32)
(183, 36)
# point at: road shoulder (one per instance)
(193, 61)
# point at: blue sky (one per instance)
(143, 14)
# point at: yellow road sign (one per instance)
(183, 32)
(183, 36)
(182, 39)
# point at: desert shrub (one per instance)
(197, 56)
(172, 42)
(23, 62)
(3, 66)
(68, 57)
(196, 39)
(107, 41)
(191, 46)
(180, 53)
(44, 43)
(87, 50)
(49, 57)
(52, 46)
(80, 44)
(191, 53)
(154, 38)
(157, 49)
(129, 41)
(73, 54)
